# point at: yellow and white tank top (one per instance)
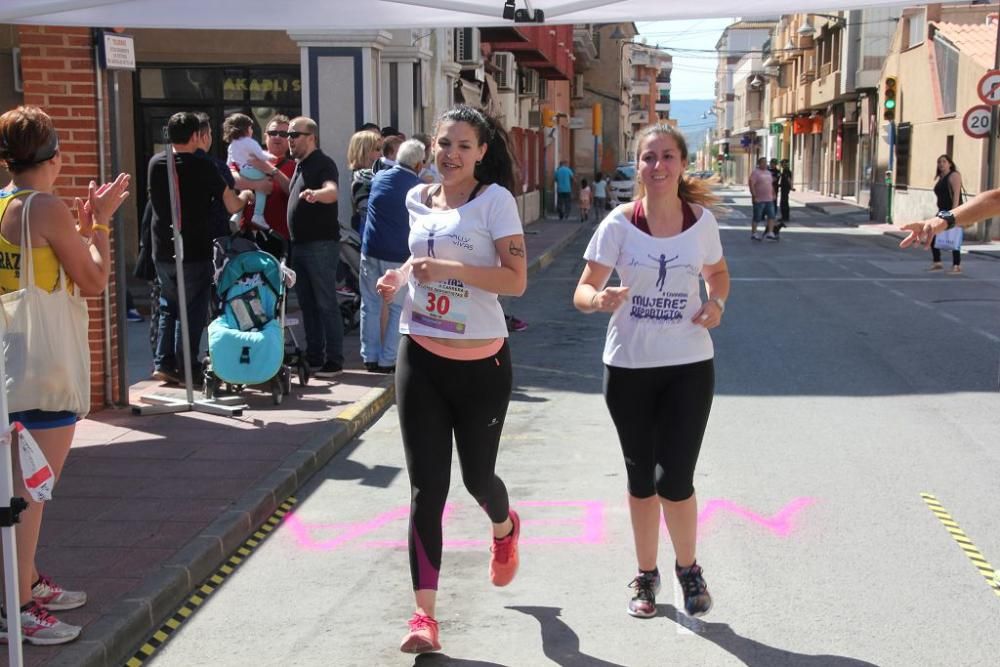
(11, 263)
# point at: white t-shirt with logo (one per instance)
(450, 308)
(654, 328)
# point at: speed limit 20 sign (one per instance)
(976, 122)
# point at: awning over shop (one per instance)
(321, 15)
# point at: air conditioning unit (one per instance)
(506, 77)
(529, 84)
(467, 46)
(577, 86)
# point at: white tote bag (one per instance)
(950, 239)
(45, 343)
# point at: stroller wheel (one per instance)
(277, 395)
(303, 373)
(286, 380)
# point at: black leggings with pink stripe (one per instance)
(438, 398)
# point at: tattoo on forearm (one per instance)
(516, 250)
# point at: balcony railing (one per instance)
(640, 88)
(663, 106)
(639, 117)
(663, 86)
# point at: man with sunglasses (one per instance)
(315, 232)
(279, 173)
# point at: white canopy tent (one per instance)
(346, 14)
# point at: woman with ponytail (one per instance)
(659, 376)
(453, 370)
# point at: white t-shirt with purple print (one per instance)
(654, 327)
(449, 308)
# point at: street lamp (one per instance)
(807, 30)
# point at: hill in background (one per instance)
(688, 115)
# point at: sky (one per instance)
(693, 76)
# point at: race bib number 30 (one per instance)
(442, 306)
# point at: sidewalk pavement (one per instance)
(148, 507)
(857, 215)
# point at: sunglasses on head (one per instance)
(296, 135)
(277, 133)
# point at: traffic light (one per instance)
(889, 99)
(548, 117)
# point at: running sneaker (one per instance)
(770, 236)
(423, 635)
(41, 628)
(503, 563)
(646, 586)
(697, 600)
(514, 324)
(755, 236)
(133, 315)
(54, 597)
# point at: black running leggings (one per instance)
(660, 414)
(436, 398)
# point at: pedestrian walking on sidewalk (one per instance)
(659, 373)
(761, 184)
(600, 195)
(785, 185)
(453, 370)
(59, 242)
(586, 196)
(564, 189)
(948, 191)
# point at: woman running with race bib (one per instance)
(659, 376)
(453, 370)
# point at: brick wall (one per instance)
(60, 76)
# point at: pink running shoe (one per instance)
(503, 564)
(423, 635)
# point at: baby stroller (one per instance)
(246, 341)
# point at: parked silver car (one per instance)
(622, 184)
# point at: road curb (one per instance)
(550, 255)
(991, 254)
(114, 638)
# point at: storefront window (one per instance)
(260, 92)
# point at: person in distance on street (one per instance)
(948, 191)
(659, 377)
(59, 242)
(453, 369)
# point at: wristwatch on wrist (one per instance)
(720, 302)
(273, 172)
(948, 217)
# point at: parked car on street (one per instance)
(622, 184)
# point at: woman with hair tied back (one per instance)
(60, 241)
(453, 370)
(659, 377)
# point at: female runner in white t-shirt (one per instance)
(453, 370)
(659, 377)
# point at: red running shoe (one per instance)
(503, 563)
(423, 635)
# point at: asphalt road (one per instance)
(849, 382)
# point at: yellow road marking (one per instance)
(971, 552)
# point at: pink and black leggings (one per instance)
(660, 414)
(437, 398)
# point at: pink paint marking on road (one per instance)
(780, 523)
(591, 528)
(303, 532)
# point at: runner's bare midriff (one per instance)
(462, 342)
